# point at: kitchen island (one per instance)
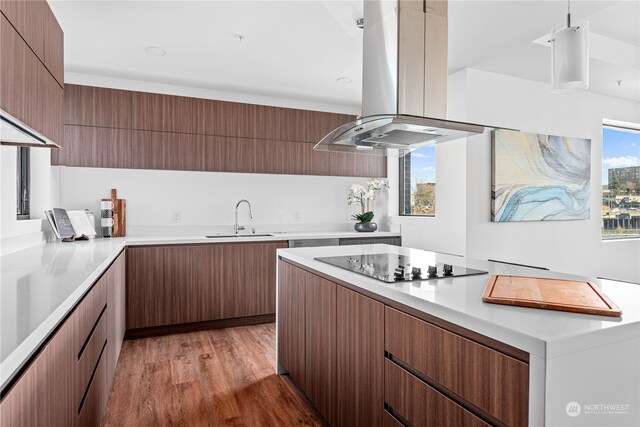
(433, 348)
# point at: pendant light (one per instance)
(570, 56)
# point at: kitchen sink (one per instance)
(221, 236)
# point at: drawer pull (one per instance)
(93, 374)
(93, 329)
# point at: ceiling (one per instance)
(298, 49)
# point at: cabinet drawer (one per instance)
(90, 411)
(491, 380)
(421, 405)
(88, 358)
(389, 420)
(87, 313)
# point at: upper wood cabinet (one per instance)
(38, 27)
(180, 133)
(96, 106)
(31, 71)
(53, 45)
(164, 113)
(28, 18)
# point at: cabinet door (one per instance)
(43, 395)
(360, 359)
(28, 18)
(52, 100)
(115, 314)
(164, 113)
(20, 78)
(96, 106)
(320, 345)
(145, 287)
(291, 321)
(94, 147)
(53, 46)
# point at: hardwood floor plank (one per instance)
(222, 377)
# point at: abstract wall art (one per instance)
(538, 177)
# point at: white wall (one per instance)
(568, 246)
(446, 232)
(206, 200)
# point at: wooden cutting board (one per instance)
(549, 294)
(119, 215)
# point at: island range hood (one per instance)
(404, 82)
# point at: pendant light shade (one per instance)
(570, 57)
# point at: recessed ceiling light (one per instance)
(344, 80)
(155, 51)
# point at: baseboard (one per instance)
(156, 331)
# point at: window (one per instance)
(620, 181)
(23, 180)
(418, 182)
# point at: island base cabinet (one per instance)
(331, 341)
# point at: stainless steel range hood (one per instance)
(404, 89)
(13, 132)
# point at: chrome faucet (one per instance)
(237, 227)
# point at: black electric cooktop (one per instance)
(392, 268)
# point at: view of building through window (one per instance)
(620, 183)
(418, 182)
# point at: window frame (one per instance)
(23, 183)
(401, 192)
(625, 127)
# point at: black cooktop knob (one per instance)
(398, 273)
(416, 273)
(448, 270)
(433, 271)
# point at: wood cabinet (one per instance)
(360, 358)
(164, 113)
(362, 363)
(94, 147)
(421, 405)
(53, 46)
(329, 337)
(169, 285)
(31, 70)
(116, 314)
(492, 381)
(181, 133)
(97, 107)
(291, 321)
(44, 394)
(320, 383)
(68, 382)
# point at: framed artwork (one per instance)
(537, 177)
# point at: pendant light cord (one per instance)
(568, 13)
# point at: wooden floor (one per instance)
(221, 377)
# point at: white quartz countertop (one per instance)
(459, 300)
(39, 286)
(258, 237)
